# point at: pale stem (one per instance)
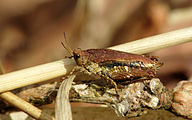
(59, 68)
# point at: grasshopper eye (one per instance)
(77, 56)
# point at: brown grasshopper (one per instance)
(115, 66)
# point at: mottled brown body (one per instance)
(115, 66)
(121, 67)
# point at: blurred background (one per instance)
(31, 31)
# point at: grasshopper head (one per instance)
(77, 54)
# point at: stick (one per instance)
(157, 42)
(25, 106)
(35, 74)
(59, 68)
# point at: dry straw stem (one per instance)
(55, 69)
(25, 106)
(35, 74)
(157, 42)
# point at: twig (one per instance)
(35, 74)
(22, 104)
(25, 106)
(157, 42)
(48, 71)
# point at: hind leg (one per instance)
(112, 83)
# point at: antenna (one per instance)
(67, 47)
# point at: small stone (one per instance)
(156, 86)
(182, 99)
